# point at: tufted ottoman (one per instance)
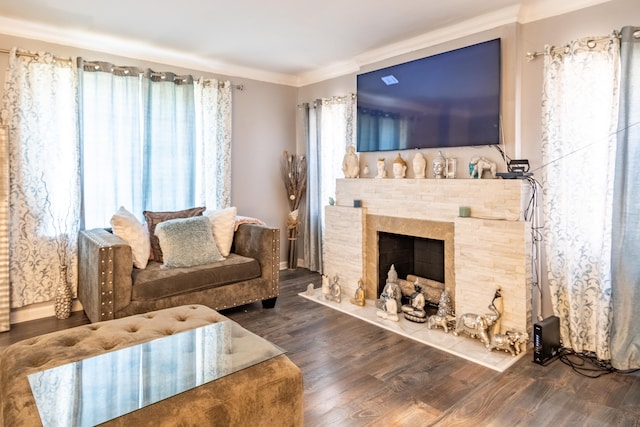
(268, 393)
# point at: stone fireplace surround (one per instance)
(490, 249)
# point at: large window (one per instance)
(140, 144)
(85, 140)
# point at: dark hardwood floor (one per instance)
(357, 374)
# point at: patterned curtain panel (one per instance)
(330, 124)
(40, 108)
(213, 143)
(625, 275)
(5, 287)
(578, 147)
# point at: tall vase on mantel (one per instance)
(62, 304)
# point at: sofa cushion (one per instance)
(186, 242)
(155, 282)
(136, 234)
(154, 218)
(222, 225)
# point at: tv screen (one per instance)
(447, 100)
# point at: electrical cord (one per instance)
(588, 365)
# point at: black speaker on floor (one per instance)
(546, 340)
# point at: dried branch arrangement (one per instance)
(294, 175)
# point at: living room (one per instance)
(265, 111)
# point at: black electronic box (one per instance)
(546, 340)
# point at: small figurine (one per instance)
(359, 297)
(439, 165)
(477, 165)
(365, 171)
(382, 172)
(519, 340)
(501, 342)
(419, 165)
(326, 288)
(436, 320)
(391, 291)
(399, 167)
(336, 291)
(389, 304)
(476, 325)
(351, 164)
(415, 312)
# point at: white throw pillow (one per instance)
(131, 230)
(222, 224)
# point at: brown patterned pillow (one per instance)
(155, 218)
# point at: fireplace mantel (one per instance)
(488, 250)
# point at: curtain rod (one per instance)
(239, 87)
(590, 43)
(35, 55)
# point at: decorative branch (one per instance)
(294, 175)
(60, 227)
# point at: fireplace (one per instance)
(393, 240)
(420, 256)
(490, 249)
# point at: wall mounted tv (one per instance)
(447, 100)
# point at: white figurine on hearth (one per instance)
(389, 303)
(326, 288)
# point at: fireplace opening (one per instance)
(419, 256)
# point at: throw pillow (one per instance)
(126, 226)
(247, 220)
(186, 242)
(222, 224)
(155, 218)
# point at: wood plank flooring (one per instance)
(357, 374)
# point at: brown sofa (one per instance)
(110, 287)
(269, 393)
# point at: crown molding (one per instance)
(135, 49)
(465, 28)
(527, 11)
(541, 9)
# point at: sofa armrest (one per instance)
(105, 264)
(263, 244)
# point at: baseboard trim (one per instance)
(38, 311)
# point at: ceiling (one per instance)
(292, 42)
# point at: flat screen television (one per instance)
(447, 100)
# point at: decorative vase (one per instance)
(62, 304)
(292, 225)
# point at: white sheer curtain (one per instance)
(111, 137)
(329, 126)
(578, 147)
(158, 142)
(39, 106)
